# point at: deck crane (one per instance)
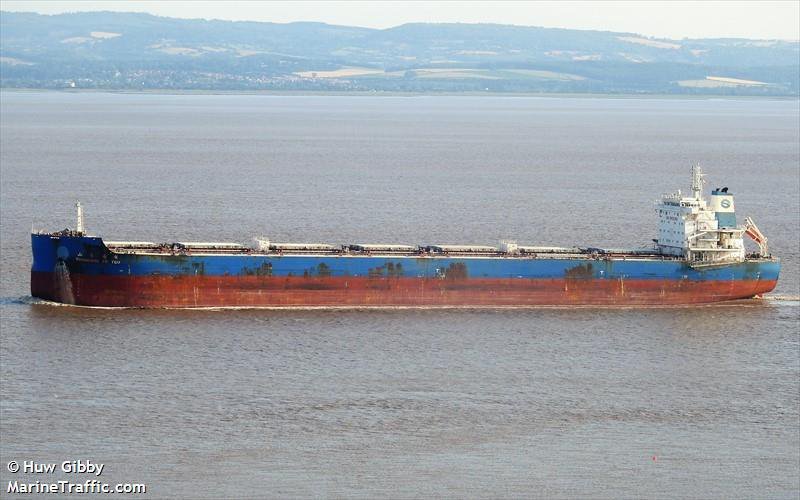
(751, 230)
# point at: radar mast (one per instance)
(697, 181)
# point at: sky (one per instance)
(779, 19)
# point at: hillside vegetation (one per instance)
(105, 50)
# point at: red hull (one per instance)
(259, 291)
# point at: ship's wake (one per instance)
(27, 300)
(782, 298)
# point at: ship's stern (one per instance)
(763, 273)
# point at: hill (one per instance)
(105, 50)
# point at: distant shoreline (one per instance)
(320, 93)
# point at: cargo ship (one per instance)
(699, 257)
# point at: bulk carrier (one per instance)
(698, 257)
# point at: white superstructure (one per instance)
(702, 232)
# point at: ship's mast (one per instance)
(79, 208)
(697, 181)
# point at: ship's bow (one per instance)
(54, 262)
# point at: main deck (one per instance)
(506, 250)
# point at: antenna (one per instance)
(697, 181)
(79, 208)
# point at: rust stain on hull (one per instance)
(261, 290)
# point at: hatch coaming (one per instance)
(167, 250)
